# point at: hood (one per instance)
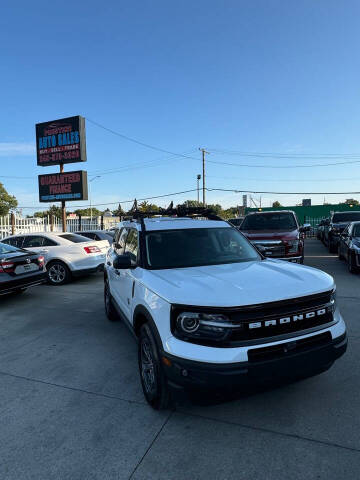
(237, 284)
(271, 234)
(340, 225)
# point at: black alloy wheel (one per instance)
(153, 380)
(351, 264)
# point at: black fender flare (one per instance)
(141, 312)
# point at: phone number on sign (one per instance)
(58, 157)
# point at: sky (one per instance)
(236, 77)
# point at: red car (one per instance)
(276, 234)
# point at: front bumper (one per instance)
(292, 360)
(289, 259)
(20, 283)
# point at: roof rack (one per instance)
(180, 211)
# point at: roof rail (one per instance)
(180, 211)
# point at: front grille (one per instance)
(262, 322)
(264, 354)
(281, 318)
(272, 249)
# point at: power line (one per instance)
(287, 180)
(138, 142)
(285, 155)
(282, 166)
(125, 201)
(239, 190)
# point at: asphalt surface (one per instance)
(71, 405)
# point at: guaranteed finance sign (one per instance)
(61, 141)
(57, 187)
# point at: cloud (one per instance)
(8, 149)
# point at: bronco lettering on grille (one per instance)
(293, 318)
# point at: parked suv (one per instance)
(211, 313)
(332, 231)
(277, 234)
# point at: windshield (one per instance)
(236, 221)
(345, 217)
(4, 249)
(72, 237)
(197, 246)
(269, 221)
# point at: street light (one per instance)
(198, 177)
(91, 180)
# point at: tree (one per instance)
(147, 207)
(119, 211)
(53, 210)
(86, 212)
(7, 201)
(351, 201)
(276, 204)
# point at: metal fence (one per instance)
(14, 224)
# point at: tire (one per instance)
(57, 273)
(108, 303)
(332, 247)
(153, 380)
(351, 266)
(19, 291)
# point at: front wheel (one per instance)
(351, 266)
(58, 273)
(153, 381)
(108, 302)
(332, 247)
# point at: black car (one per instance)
(321, 228)
(236, 221)
(20, 269)
(332, 231)
(97, 235)
(349, 246)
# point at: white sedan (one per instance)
(66, 254)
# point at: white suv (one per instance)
(210, 312)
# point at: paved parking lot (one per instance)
(72, 407)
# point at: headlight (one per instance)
(293, 246)
(333, 301)
(202, 326)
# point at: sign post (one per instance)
(59, 142)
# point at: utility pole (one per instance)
(91, 210)
(198, 177)
(63, 205)
(203, 173)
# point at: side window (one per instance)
(49, 243)
(120, 243)
(131, 247)
(14, 241)
(33, 241)
(91, 235)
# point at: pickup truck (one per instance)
(276, 233)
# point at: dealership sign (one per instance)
(61, 141)
(56, 187)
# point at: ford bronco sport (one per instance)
(211, 313)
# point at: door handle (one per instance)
(44, 251)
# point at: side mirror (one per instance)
(261, 249)
(122, 262)
(307, 227)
